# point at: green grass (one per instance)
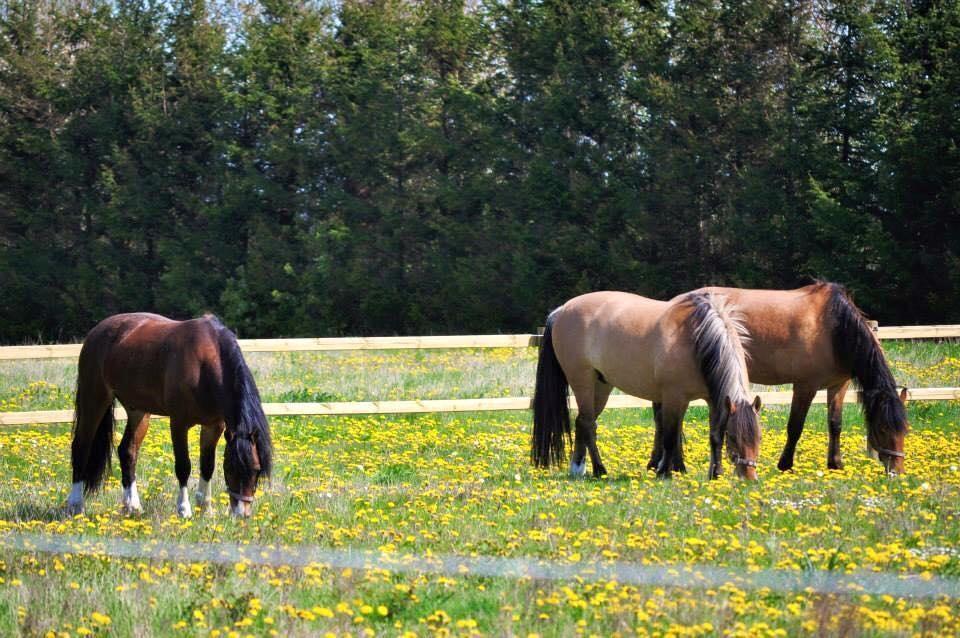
(461, 483)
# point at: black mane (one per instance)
(243, 411)
(857, 347)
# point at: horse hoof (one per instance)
(599, 471)
(578, 470)
(185, 511)
(835, 465)
(681, 467)
(785, 464)
(74, 509)
(129, 509)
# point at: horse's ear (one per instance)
(731, 408)
(757, 404)
(903, 395)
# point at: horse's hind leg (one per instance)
(181, 459)
(799, 406)
(138, 423)
(835, 395)
(585, 388)
(209, 436)
(601, 393)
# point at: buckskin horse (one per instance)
(667, 352)
(193, 372)
(815, 337)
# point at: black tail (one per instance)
(243, 411)
(91, 453)
(856, 347)
(551, 416)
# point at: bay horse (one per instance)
(193, 372)
(815, 337)
(666, 352)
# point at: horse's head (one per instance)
(885, 441)
(241, 471)
(743, 436)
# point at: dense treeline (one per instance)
(384, 166)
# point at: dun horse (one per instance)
(815, 337)
(667, 352)
(193, 372)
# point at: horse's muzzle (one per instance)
(241, 506)
(745, 468)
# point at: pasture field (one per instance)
(461, 484)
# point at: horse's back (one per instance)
(620, 335)
(597, 317)
(153, 363)
(791, 338)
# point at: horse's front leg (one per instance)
(181, 459)
(671, 427)
(678, 463)
(657, 452)
(799, 406)
(717, 432)
(138, 423)
(209, 437)
(835, 397)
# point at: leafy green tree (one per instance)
(921, 168)
(34, 236)
(276, 158)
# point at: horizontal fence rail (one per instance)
(70, 350)
(616, 401)
(919, 332)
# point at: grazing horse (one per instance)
(815, 337)
(667, 352)
(193, 372)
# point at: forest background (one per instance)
(382, 167)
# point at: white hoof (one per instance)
(75, 500)
(203, 497)
(130, 501)
(578, 469)
(184, 509)
(241, 510)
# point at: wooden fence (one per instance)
(617, 401)
(59, 351)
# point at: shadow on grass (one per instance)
(35, 512)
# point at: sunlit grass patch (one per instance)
(461, 484)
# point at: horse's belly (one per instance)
(779, 367)
(639, 385)
(145, 402)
